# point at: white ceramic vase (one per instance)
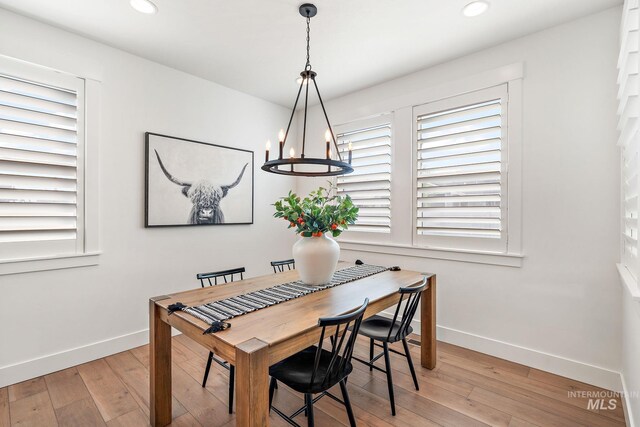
(316, 259)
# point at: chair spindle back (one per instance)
(226, 275)
(412, 300)
(341, 346)
(279, 266)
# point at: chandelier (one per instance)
(307, 166)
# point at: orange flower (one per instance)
(334, 226)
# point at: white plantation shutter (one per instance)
(460, 147)
(41, 148)
(629, 114)
(370, 183)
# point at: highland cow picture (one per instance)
(196, 183)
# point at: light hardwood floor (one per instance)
(466, 389)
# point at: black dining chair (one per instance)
(387, 331)
(228, 276)
(315, 370)
(279, 266)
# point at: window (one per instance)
(42, 158)
(460, 192)
(370, 184)
(439, 170)
(629, 115)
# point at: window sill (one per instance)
(28, 265)
(491, 258)
(629, 282)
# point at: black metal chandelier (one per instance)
(307, 166)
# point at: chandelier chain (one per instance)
(308, 64)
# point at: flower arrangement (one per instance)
(322, 211)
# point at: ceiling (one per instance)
(257, 46)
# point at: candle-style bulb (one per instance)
(327, 135)
(292, 153)
(281, 135)
(266, 154)
(350, 147)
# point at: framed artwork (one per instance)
(191, 183)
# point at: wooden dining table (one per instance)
(261, 338)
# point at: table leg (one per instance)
(252, 388)
(428, 325)
(159, 367)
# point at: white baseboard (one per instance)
(558, 365)
(628, 414)
(22, 371)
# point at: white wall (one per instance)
(560, 310)
(54, 319)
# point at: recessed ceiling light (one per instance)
(144, 6)
(475, 8)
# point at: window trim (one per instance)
(88, 236)
(388, 117)
(402, 164)
(465, 243)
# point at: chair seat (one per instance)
(377, 327)
(296, 370)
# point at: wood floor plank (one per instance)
(423, 406)
(185, 420)
(26, 389)
(66, 387)
(110, 395)
(562, 382)
(576, 386)
(142, 354)
(182, 352)
(274, 421)
(135, 418)
(456, 400)
(135, 377)
(289, 401)
(461, 404)
(426, 379)
(363, 417)
(530, 399)
(430, 377)
(5, 419)
(521, 410)
(544, 394)
(517, 422)
(218, 380)
(79, 413)
(377, 406)
(205, 407)
(192, 345)
(475, 356)
(34, 410)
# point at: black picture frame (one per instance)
(249, 171)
